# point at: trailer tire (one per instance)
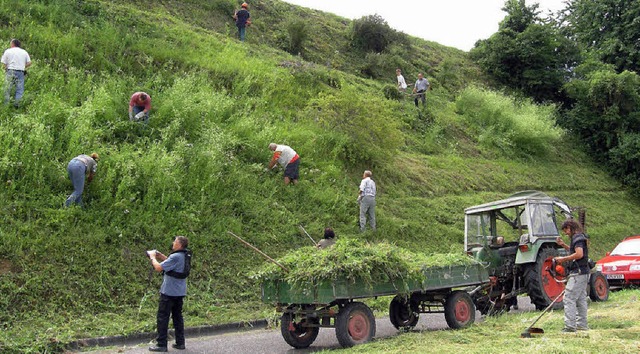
(459, 310)
(297, 334)
(540, 284)
(401, 314)
(598, 287)
(355, 324)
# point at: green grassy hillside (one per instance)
(197, 169)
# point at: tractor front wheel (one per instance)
(598, 287)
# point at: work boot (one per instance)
(178, 346)
(568, 330)
(158, 349)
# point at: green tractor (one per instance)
(516, 239)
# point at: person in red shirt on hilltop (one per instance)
(288, 159)
(139, 107)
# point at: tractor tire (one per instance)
(401, 314)
(598, 287)
(459, 310)
(298, 334)
(540, 284)
(355, 324)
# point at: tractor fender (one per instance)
(532, 250)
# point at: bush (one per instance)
(298, 35)
(373, 34)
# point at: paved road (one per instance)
(269, 341)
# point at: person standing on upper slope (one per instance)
(402, 85)
(15, 61)
(420, 88)
(243, 19)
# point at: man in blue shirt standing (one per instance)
(175, 268)
(243, 19)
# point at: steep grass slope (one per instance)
(198, 168)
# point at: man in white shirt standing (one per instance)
(402, 85)
(15, 61)
(367, 200)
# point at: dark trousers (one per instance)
(170, 306)
(421, 96)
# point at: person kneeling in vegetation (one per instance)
(139, 107)
(78, 167)
(328, 240)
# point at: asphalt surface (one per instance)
(269, 341)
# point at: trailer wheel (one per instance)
(459, 310)
(298, 334)
(541, 286)
(355, 324)
(598, 287)
(401, 314)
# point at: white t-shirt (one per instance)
(15, 58)
(286, 154)
(401, 82)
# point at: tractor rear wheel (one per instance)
(401, 314)
(541, 286)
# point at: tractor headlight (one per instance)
(599, 267)
(634, 267)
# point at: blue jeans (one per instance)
(14, 78)
(77, 171)
(241, 32)
(170, 306)
(138, 109)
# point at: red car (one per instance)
(622, 265)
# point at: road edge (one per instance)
(139, 338)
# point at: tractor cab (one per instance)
(517, 226)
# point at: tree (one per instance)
(610, 28)
(606, 116)
(527, 54)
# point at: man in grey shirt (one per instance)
(367, 200)
(420, 89)
(172, 292)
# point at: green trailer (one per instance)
(332, 304)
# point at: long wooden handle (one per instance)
(257, 250)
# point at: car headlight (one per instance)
(599, 267)
(634, 267)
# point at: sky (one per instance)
(454, 23)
